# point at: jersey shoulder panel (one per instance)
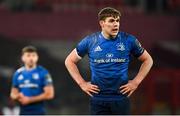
(42, 70)
(130, 37)
(20, 70)
(93, 39)
(125, 35)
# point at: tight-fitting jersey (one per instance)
(109, 60)
(32, 83)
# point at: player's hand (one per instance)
(24, 100)
(129, 88)
(89, 88)
(14, 96)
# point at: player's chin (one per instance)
(31, 64)
(114, 34)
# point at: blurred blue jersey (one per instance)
(31, 83)
(109, 60)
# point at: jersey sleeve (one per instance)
(136, 48)
(82, 47)
(15, 80)
(47, 79)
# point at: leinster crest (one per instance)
(120, 46)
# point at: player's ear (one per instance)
(101, 22)
(22, 58)
(37, 57)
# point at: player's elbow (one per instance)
(49, 96)
(68, 62)
(150, 60)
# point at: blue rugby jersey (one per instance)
(109, 60)
(31, 83)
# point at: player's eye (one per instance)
(117, 20)
(111, 20)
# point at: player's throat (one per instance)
(29, 68)
(108, 37)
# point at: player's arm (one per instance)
(71, 65)
(46, 95)
(146, 65)
(14, 95)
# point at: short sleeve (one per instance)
(82, 47)
(14, 80)
(136, 48)
(47, 79)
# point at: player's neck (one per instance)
(107, 36)
(30, 67)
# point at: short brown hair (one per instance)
(108, 12)
(29, 49)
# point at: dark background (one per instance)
(56, 26)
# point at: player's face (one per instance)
(30, 58)
(110, 26)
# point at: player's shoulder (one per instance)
(93, 38)
(20, 70)
(96, 34)
(127, 36)
(42, 69)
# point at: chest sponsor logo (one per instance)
(109, 55)
(27, 81)
(110, 60)
(28, 84)
(120, 46)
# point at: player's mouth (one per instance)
(115, 30)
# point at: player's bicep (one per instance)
(80, 51)
(145, 56)
(73, 57)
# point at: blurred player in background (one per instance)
(109, 54)
(31, 84)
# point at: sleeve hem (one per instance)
(140, 53)
(77, 54)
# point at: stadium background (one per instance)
(56, 26)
